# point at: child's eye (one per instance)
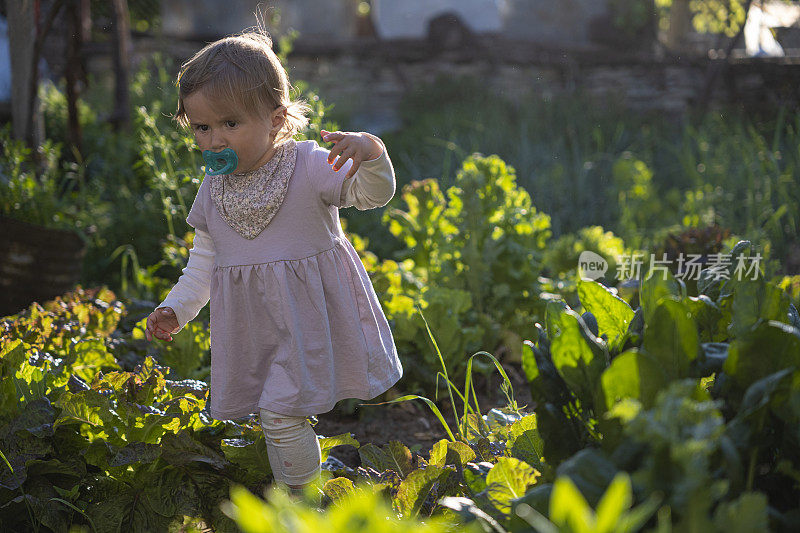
(201, 127)
(230, 123)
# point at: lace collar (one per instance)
(247, 202)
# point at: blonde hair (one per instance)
(242, 72)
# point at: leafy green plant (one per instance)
(39, 195)
(791, 284)
(470, 251)
(570, 512)
(357, 509)
(679, 392)
(560, 260)
(643, 208)
(672, 406)
(110, 446)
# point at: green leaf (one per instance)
(509, 479)
(372, 456)
(98, 453)
(36, 418)
(525, 442)
(172, 493)
(12, 354)
(414, 489)
(747, 513)
(85, 406)
(468, 511)
(399, 457)
(337, 488)
(250, 455)
(590, 471)
(771, 392)
(568, 508)
(632, 374)
(449, 452)
(475, 475)
(88, 356)
(9, 403)
(613, 314)
(656, 288)
(328, 443)
(708, 317)
(671, 338)
(614, 503)
(473, 426)
(136, 452)
(250, 512)
(187, 350)
(395, 456)
(31, 381)
(19, 450)
(182, 450)
(770, 347)
(756, 301)
(141, 425)
(578, 360)
(529, 361)
(122, 506)
(760, 393)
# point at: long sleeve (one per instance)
(193, 289)
(373, 184)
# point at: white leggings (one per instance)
(292, 447)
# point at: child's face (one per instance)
(247, 135)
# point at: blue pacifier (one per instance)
(223, 162)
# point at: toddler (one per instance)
(295, 322)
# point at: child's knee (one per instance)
(277, 425)
(292, 447)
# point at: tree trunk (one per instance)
(74, 72)
(121, 116)
(717, 67)
(680, 20)
(21, 37)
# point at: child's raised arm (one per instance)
(370, 178)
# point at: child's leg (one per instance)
(292, 448)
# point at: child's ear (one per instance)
(279, 116)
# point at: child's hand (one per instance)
(356, 146)
(161, 323)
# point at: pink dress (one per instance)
(296, 325)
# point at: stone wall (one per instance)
(368, 83)
(366, 79)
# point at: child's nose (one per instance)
(217, 142)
